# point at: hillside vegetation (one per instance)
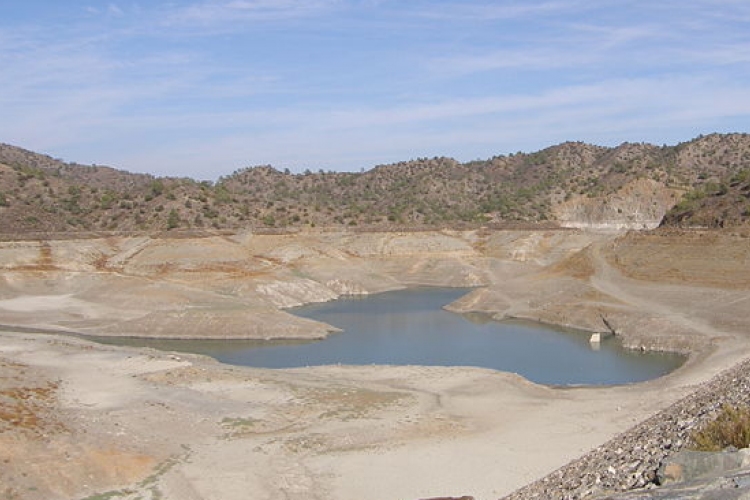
(705, 182)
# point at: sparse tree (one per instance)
(173, 219)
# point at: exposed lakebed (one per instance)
(409, 327)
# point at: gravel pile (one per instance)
(631, 459)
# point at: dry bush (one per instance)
(730, 428)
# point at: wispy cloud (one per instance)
(493, 11)
(526, 59)
(608, 112)
(218, 11)
(183, 86)
(640, 97)
(115, 10)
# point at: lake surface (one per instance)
(409, 327)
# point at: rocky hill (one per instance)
(714, 204)
(703, 182)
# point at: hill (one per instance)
(714, 204)
(571, 184)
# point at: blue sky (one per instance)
(203, 87)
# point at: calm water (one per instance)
(408, 327)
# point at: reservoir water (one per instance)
(409, 327)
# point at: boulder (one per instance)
(688, 465)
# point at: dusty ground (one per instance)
(83, 420)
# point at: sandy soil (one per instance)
(82, 420)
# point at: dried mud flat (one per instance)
(83, 420)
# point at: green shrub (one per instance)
(730, 428)
(173, 219)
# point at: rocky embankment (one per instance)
(632, 459)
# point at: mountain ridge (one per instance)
(702, 182)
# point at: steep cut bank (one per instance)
(640, 204)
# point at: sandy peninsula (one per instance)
(84, 420)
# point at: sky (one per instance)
(201, 88)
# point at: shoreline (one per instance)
(397, 405)
(171, 344)
(142, 422)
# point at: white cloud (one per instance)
(114, 10)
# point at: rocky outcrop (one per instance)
(285, 294)
(691, 465)
(346, 287)
(693, 475)
(640, 204)
(734, 486)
